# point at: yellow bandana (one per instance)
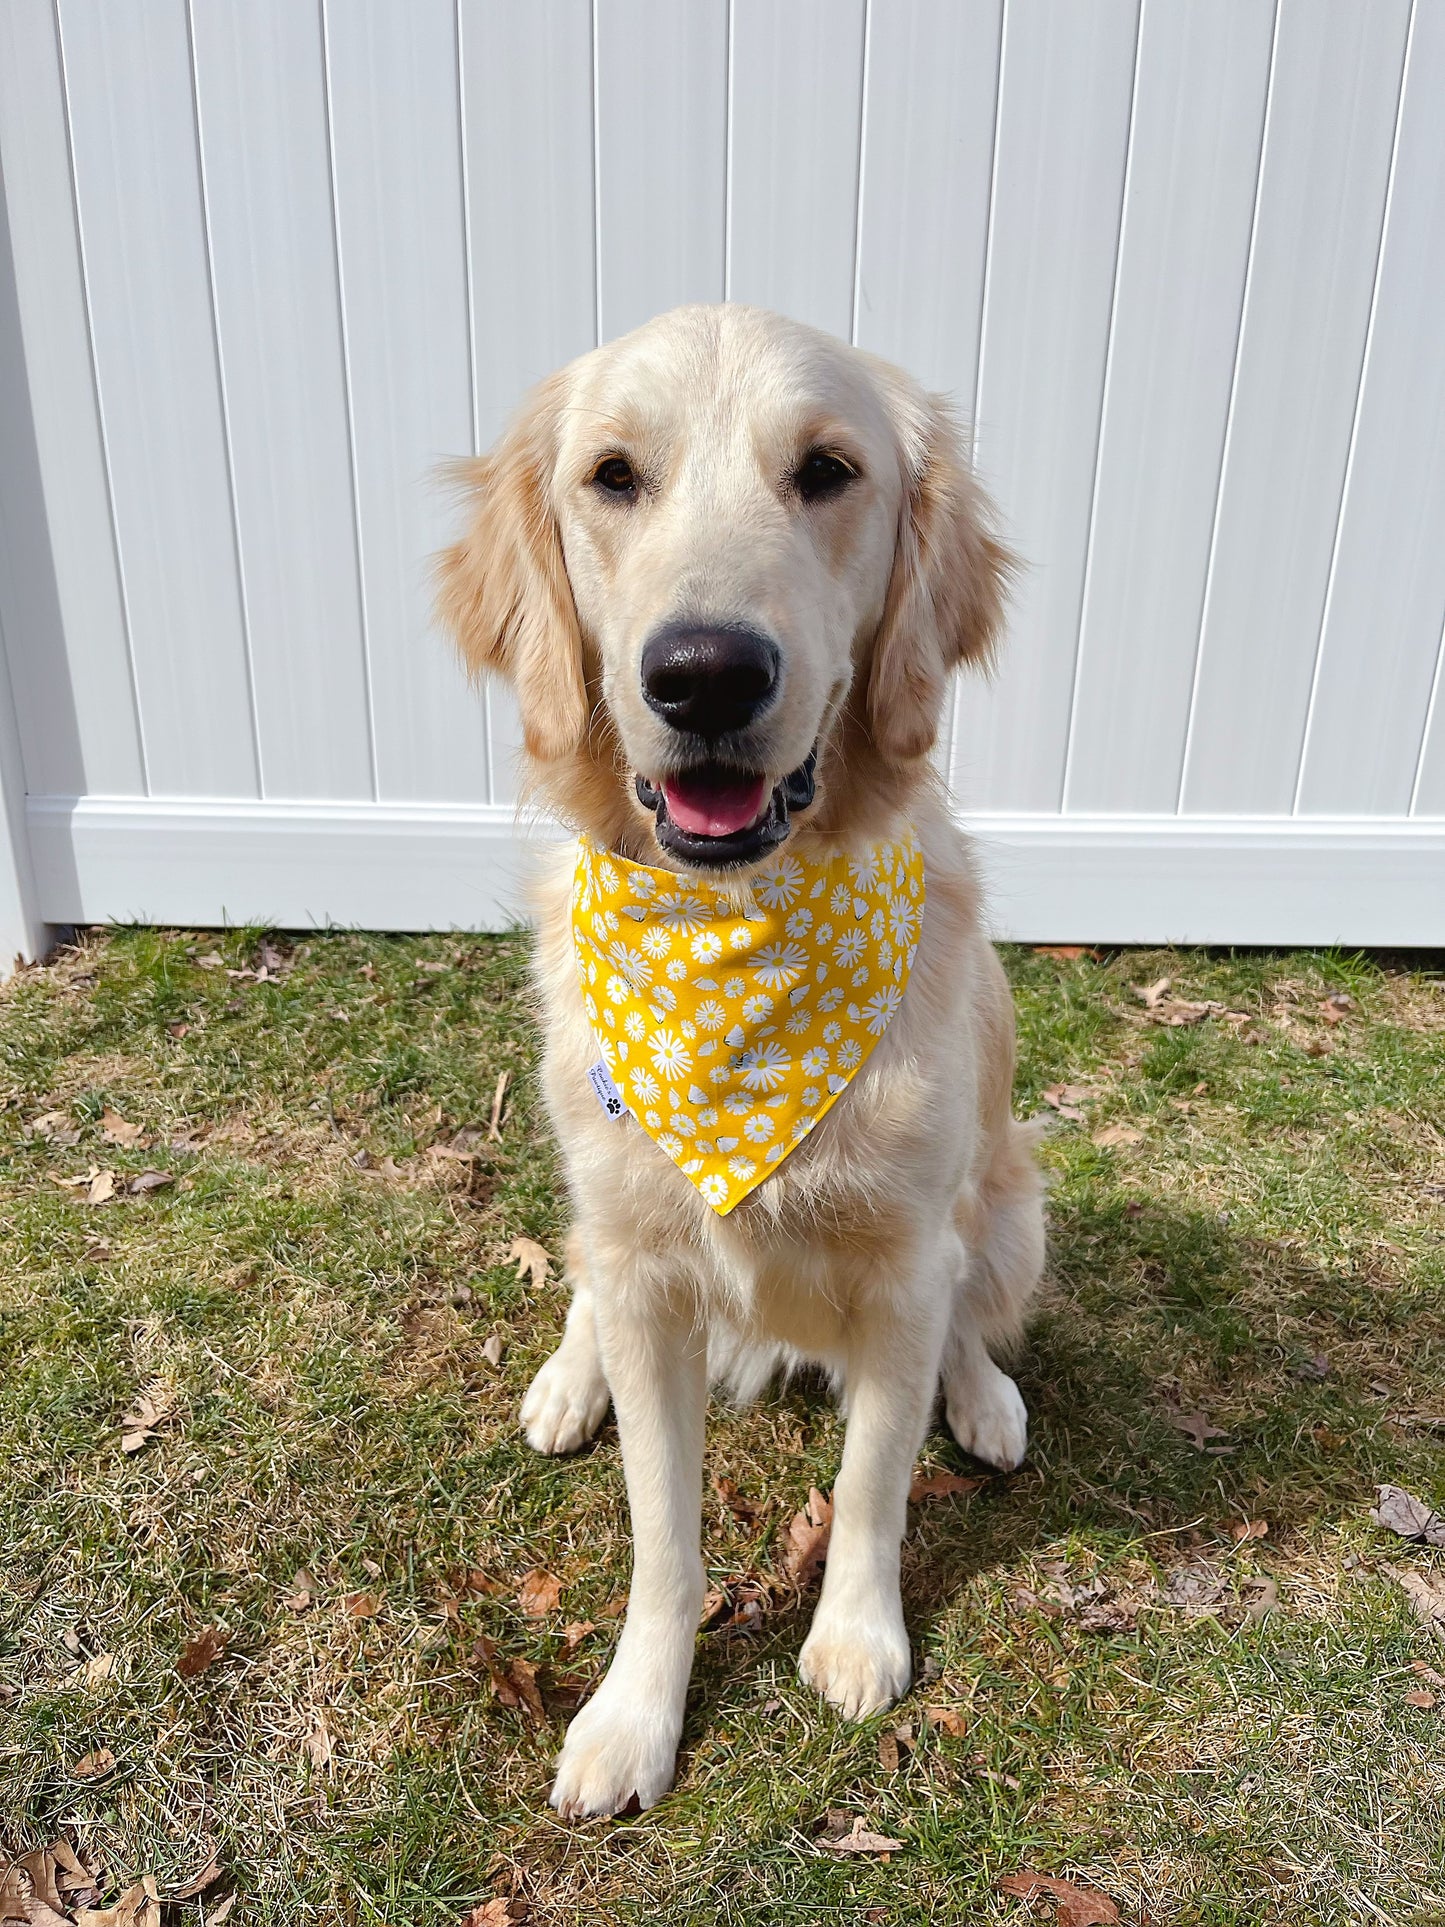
(732, 1016)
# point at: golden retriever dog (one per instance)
(727, 564)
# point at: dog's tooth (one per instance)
(737, 1037)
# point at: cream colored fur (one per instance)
(899, 1245)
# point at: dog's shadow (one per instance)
(1181, 1378)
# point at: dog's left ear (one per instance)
(946, 595)
(503, 590)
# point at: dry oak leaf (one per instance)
(1197, 1429)
(492, 1350)
(198, 1655)
(805, 1539)
(150, 1410)
(539, 1593)
(502, 1910)
(513, 1680)
(1078, 1906)
(530, 1259)
(1066, 1099)
(1426, 1594)
(1152, 995)
(95, 1765)
(1118, 1134)
(1064, 952)
(1401, 1512)
(148, 1181)
(574, 1634)
(304, 1596)
(362, 1605)
(1242, 1529)
(317, 1744)
(1422, 1697)
(138, 1906)
(45, 1882)
(945, 1719)
(859, 1839)
(942, 1485)
(115, 1130)
(207, 1877)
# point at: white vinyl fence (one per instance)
(263, 262)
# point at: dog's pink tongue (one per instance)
(706, 805)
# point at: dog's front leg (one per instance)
(624, 1741)
(856, 1654)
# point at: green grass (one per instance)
(1266, 1252)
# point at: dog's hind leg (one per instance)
(568, 1399)
(1003, 1234)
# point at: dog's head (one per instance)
(727, 563)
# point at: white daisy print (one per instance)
(759, 1128)
(880, 1007)
(825, 933)
(607, 876)
(743, 1168)
(635, 1024)
(679, 911)
(797, 1023)
(780, 965)
(676, 970)
(656, 941)
(864, 871)
(778, 886)
(670, 1054)
(840, 900)
(618, 989)
(667, 1142)
(830, 999)
(653, 1120)
(645, 1087)
(755, 1009)
(662, 995)
(738, 1105)
(630, 964)
(711, 1015)
(764, 1068)
(849, 947)
(740, 937)
(714, 1189)
(831, 1033)
(859, 977)
(850, 1055)
(811, 1095)
(708, 1117)
(735, 986)
(706, 946)
(876, 925)
(800, 923)
(903, 919)
(642, 884)
(814, 1062)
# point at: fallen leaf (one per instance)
(746, 1511)
(303, 1598)
(530, 1259)
(574, 1634)
(499, 1099)
(1197, 1588)
(539, 1593)
(1196, 1428)
(1419, 1667)
(1118, 1134)
(100, 1187)
(1078, 1906)
(1399, 1511)
(945, 1719)
(94, 1766)
(362, 1605)
(317, 1744)
(220, 1912)
(97, 1669)
(1427, 1595)
(501, 1911)
(149, 1181)
(213, 960)
(513, 1680)
(1152, 995)
(942, 1485)
(1333, 1009)
(198, 1655)
(56, 1127)
(1264, 1601)
(1241, 1530)
(138, 1906)
(1422, 1697)
(492, 1350)
(860, 1840)
(893, 1745)
(115, 1130)
(1066, 1099)
(805, 1539)
(1063, 952)
(207, 1877)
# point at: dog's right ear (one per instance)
(503, 591)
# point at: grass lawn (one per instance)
(1171, 1659)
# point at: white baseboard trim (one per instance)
(1071, 879)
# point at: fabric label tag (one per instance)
(605, 1091)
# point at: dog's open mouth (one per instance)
(716, 817)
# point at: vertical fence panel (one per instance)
(1063, 129)
(797, 89)
(261, 104)
(1387, 600)
(927, 169)
(662, 83)
(527, 132)
(396, 154)
(1198, 122)
(133, 133)
(75, 703)
(1322, 198)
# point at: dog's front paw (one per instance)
(988, 1417)
(617, 1747)
(565, 1403)
(860, 1662)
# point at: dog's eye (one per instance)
(820, 474)
(616, 476)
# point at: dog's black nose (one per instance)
(709, 681)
